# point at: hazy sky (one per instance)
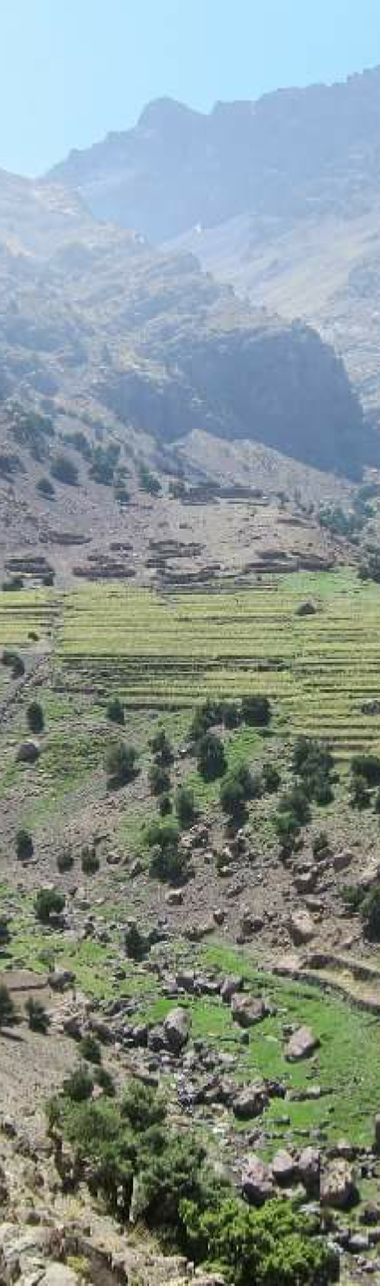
(70, 70)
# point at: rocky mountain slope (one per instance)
(279, 197)
(88, 312)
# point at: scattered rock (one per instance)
(306, 609)
(302, 1044)
(309, 1170)
(338, 1185)
(177, 1030)
(283, 1167)
(174, 897)
(219, 916)
(250, 1102)
(61, 979)
(247, 1010)
(230, 987)
(257, 1184)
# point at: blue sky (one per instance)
(71, 70)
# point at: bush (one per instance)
(90, 1049)
(237, 788)
(103, 464)
(8, 1015)
(13, 662)
(271, 778)
(38, 1018)
(89, 861)
(48, 903)
(162, 748)
(169, 865)
(353, 897)
(135, 942)
(78, 1086)
(211, 758)
(231, 714)
(185, 807)
(162, 835)
(5, 935)
(120, 764)
(115, 711)
(320, 845)
(45, 488)
(370, 909)
(314, 763)
(367, 767)
(165, 806)
(105, 1081)
(268, 1247)
(297, 803)
(35, 717)
(159, 779)
(65, 861)
(360, 797)
(206, 716)
(287, 829)
(24, 845)
(256, 711)
(64, 470)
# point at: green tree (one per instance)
(185, 807)
(115, 711)
(211, 758)
(48, 903)
(120, 764)
(24, 845)
(256, 711)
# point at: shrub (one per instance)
(206, 716)
(135, 942)
(211, 757)
(13, 662)
(45, 488)
(103, 464)
(65, 861)
(48, 903)
(287, 829)
(105, 1081)
(297, 803)
(367, 767)
(162, 748)
(320, 845)
(38, 1018)
(120, 764)
(370, 909)
(256, 711)
(271, 778)
(24, 845)
(89, 861)
(78, 1086)
(269, 1247)
(165, 806)
(360, 797)
(353, 897)
(185, 807)
(314, 763)
(231, 714)
(8, 1015)
(5, 936)
(90, 1049)
(159, 779)
(115, 711)
(64, 470)
(35, 717)
(162, 835)
(169, 864)
(237, 788)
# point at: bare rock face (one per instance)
(247, 1010)
(302, 1044)
(301, 928)
(250, 1102)
(338, 1185)
(257, 1182)
(177, 1030)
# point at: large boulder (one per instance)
(301, 928)
(248, 1010)
(302, 1044)
(177, 1030)
(256, 1181)
(283, 1168)
(338, 1185)
(309, 1170)
(230, 987)
(250, 1102)
(28, 752)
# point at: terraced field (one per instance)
(173, 651)
(170, 651)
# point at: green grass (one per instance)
(172, 651)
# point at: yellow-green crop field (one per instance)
(170, 651)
